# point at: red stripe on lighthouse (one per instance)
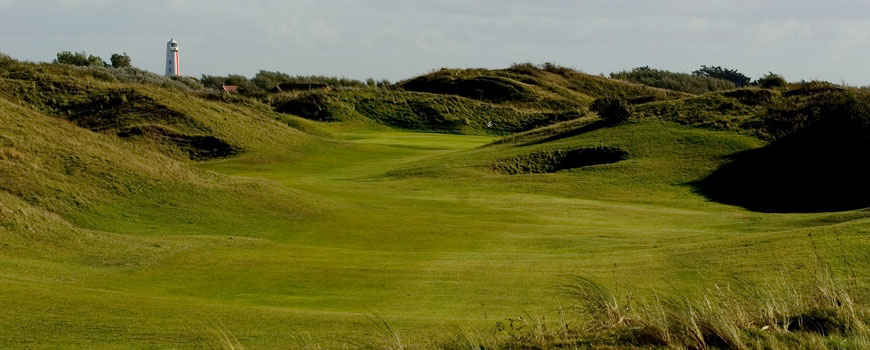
(177, 65)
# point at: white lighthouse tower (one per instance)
(172, 67)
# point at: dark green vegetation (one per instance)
(691, 83)
(265, 82)
(79, 59)
(611, 110)
(771, 81)
(121, 61)
(138, 211)
(717, 72)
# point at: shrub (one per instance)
(79, 59)
(556, 69)
(526, 68)
(771, 81)
(120, 61)
(246, 86)
(267, 80)
(731, 75)
(612, 110)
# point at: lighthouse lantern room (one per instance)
(172, 67)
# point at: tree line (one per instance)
(84, 60)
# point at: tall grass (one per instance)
(827, 312)
(219, 337)
(693, 84)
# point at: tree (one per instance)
(121, 61)
(79, 59)
(717, 72)
(267, 80)
(612, 110)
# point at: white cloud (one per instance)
(398, 38)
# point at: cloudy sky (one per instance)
(397, 39)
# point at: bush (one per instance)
(717, 72)
(612, 110)
(556, 69)
(267, 80)
(79, 59)
(771, 81)
(121, 61)
(246, 87)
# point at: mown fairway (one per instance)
(409, 226)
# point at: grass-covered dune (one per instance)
(819, 141)
(539, 87)
(417, 111)
(143, 212)
(474, 101)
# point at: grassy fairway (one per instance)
(409, 226)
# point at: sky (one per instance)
(399, 39)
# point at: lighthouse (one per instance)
(172, 58)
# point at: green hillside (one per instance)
(143, 212)
(471, 101)
(819, 141)
(526, 85)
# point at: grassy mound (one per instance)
(197, 147)
(817, 167)
(145, 108)
(766, 114)
(79, 154)
(512, 100)
(738, 110)
(819, 133)
(525, 85)
(417, 111)
(55, 175)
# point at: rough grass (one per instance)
(684, 82)
(827, 313)
(766, 114)
(547, 87)
(417, 111)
